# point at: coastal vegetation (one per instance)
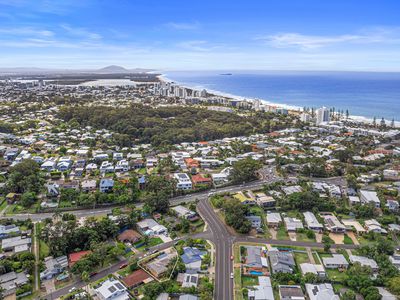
(170, 125)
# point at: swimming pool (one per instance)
(257, 273)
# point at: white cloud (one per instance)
(81, 32)
(26, 31)
(306, 42)
(200, 46)
(183, 26)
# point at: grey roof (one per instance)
(281, 261)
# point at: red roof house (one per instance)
(74, 257)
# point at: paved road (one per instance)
(173, 201)
(223, 242)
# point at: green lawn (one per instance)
(302, 237)
(249, 281)
(154, 241)
(347, 240)
(282, 234)
(336, 275)
(301, 257)
(238, 284)
(43, 249)
(3, 204)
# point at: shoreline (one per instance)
(361, 119)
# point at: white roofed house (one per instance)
(183, 212)
(318, 270)
(374, 226)
(112, 289)
(183, 181)
(262, 291)
(312, 221)
(323, 291)
(333, 224)
(292, 224)
(337, 261)
(274, 219)
(16, 244)
(369, 197)
(364, 261)
(151, 227)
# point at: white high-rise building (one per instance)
(322, 115)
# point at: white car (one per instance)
(71, 289)
(231, 275)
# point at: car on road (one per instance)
(231, 257)
(71, 289)
(123, 266)
(93, 274)
(231, 275)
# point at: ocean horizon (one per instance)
(366, 94)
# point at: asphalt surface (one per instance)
(223, 242)
(173, 201)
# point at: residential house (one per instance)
(106, 185)
(255, 221)
(112, 289)
(369, 197)
(151, 227)
(190, 280)
(262, 291)
(312, 221)
(10, 282)
(7, 230)
(183, 181)
(364, 261)
(264, 201)
(129, 235)
(199, 179)
(76, 256)
(159, 265)
(337, 261)
(88, 185)
(291, 292)
(392, 205)
(313, 268)
(323, 291)
(333, 224)
(192, 258)
(274, 219)
(281, 261)
(185, 213)
(374, 226)
(288, 190)
(292, 224)
(54, 266)
(16, 244)
(254, 258)
(136, 279)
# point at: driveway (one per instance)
(292, 236)
(337, 238)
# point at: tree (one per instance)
(245, 170)
(156, 202)
(235, 213)
(327, 243)
(25, 177)
(394, 285)
(349, 295)
(28, 199)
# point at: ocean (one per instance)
(366, 94)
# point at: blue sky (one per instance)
(192, 35)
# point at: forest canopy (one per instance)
(170, 125)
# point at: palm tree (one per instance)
(86, 279)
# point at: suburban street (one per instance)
(217, 232)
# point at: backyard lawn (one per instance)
(301, 257)
(249, 281)
(154, 241)
(282, 234)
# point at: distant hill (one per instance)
(112, 69)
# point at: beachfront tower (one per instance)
(322, 115)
